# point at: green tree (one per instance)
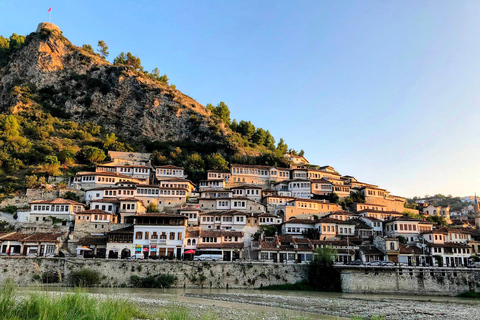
(259, 137)
(92, 155)
(246, 129)
(66, 157)
(234, 125)
(216, 161)
(103, 49)
(121, 59)
(223, 112)
(4, 51)
(282, 146)
(311, 233)
(71, 196)
(152, 207)
(16, 42)
(321, 274)
(194, 162)
(88, 48)
(333, 197)
(269, 141)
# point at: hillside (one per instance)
(63, 107)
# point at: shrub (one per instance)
(84, 278)
(156, 281)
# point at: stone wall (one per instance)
(23, 200)
(190, 274)
(422, 281)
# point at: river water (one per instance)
(255, 304)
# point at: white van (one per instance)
(208, 257)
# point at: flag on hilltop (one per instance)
(49, 9)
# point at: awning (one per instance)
(189, 252)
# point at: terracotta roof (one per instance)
(323, 180)
(192, 233)
(448, 245)
(168, 166)
(224, 213)
(266, 245)
(92, 240)
(246, 186)
(225, 245)
(128, 229)
(301, 221)
(33, 237)
(58, 201)
(251, 166)
(93, 211)
(112, 200)
(103, 173)
(14, 236)
(370, 250)
(220, 233)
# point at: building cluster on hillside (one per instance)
(265, 213)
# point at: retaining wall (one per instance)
(416, 281)
(24, 271)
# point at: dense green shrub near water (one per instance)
(153, 281)
(84, 278)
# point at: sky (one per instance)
(386, 91)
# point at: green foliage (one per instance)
(71, 196)
(91, 155)
(10, 209)
(128, 60)
(217, 162)
(311, 233)
(441, 221)
(322, 275)
(152, 207)
(153, 281)
(402, 239)
(84, 278)
(103, 49)
(88, 48)
(75, 306)
(221, 110)
(268, 231)
(66, 157)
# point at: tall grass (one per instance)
(75, 306)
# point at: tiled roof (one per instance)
(370, 250)
(192, 233)
(102, 173)
(57, 201)
(220, 233)
(92, 240)
(168, 166)
(301, 221)
(128, 229)
(225, 245)
(94, 211)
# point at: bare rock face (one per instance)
(85, 87)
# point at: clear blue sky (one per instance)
(386, 91)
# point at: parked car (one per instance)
(374, 263)
(208, 257)
(356, 262)
(388, 263)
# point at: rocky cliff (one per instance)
(82, 86)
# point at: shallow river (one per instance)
(255, 304)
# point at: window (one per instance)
(146, 235)
(179, 236)
(138, 235)
(172, 235)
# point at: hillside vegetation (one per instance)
(64, 107)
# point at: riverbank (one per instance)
(221, 304)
